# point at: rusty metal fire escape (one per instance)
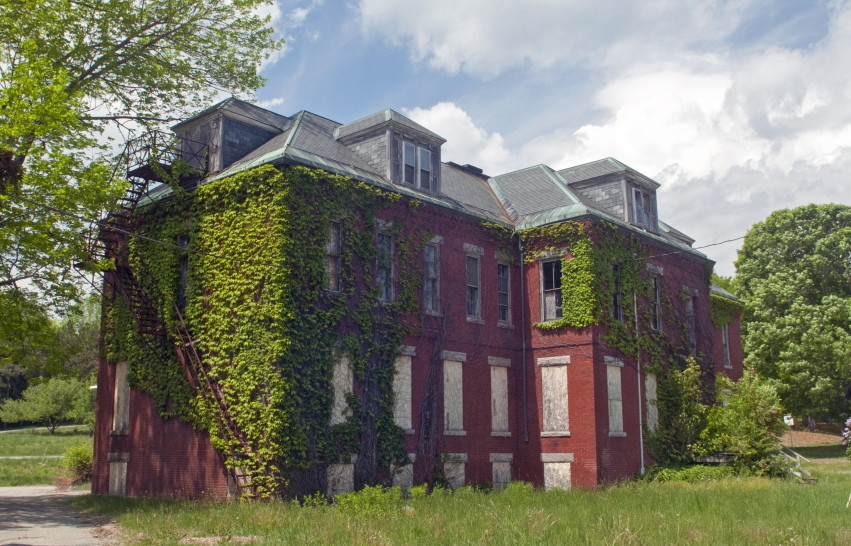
(147, 161)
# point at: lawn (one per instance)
(732, 511)
(36, 443)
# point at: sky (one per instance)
(737, 108)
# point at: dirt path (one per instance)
(39, 515)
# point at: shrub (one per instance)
(78, 461)
(745, 421)
(369, 500)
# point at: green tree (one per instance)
(794, 272)
(67, 69)
(50, 403)
(746, 420)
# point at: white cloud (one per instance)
(465, 142)
(486, 38)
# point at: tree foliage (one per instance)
(67, 69)
(50, 403)
(746, 420)
(794, 271)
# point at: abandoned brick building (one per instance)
(529, 314)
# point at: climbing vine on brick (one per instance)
(257, 302)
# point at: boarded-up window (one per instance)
(554, 396)
(613, 375)
(339, 478)
(453, 396)
(402, 392)
(501, 470)
(650, 395)
(499, 399)
(557, 470)
(403, 475)
(454, 469)
(342, 383)
(384, 269)
(121, 400)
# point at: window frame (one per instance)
(642, 208)
(476, 293)
(334, 257)
(415, 152)
(725, 343)
(384, 262)
(500, 306)
(617, 293)
(558, 311)
(431, 278)
(656, 304)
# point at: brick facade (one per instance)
(560, 386)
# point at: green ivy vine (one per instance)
(724, 310)
(257, 303)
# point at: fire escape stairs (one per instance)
(146, 160)
(199, 376)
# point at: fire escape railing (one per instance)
(146, 162)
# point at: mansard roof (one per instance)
(521, 199)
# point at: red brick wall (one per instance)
(736, 353)
(167, 458)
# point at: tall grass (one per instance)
(730, 511)
(14, 472)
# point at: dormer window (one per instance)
(642, 209)
(417, 166)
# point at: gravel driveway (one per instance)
(40, 515)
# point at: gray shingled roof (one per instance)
(241, 109)
(521, 199)
(533, 190)
(379, 118)
(472, 192)
(602, 167)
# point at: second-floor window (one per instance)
(617, 294)
(656, 304)
(384, 269)
(473, 293)
(551, 290)
(332, 255)
(431, 279)
(417, 166)
(503, 295)
(725, 341)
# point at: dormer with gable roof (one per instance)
(404, 151)
(230, 130)
(612, 187)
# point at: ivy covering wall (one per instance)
(252, 249)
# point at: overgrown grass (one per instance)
(40, 442)
(28, 471)
(729, 511)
